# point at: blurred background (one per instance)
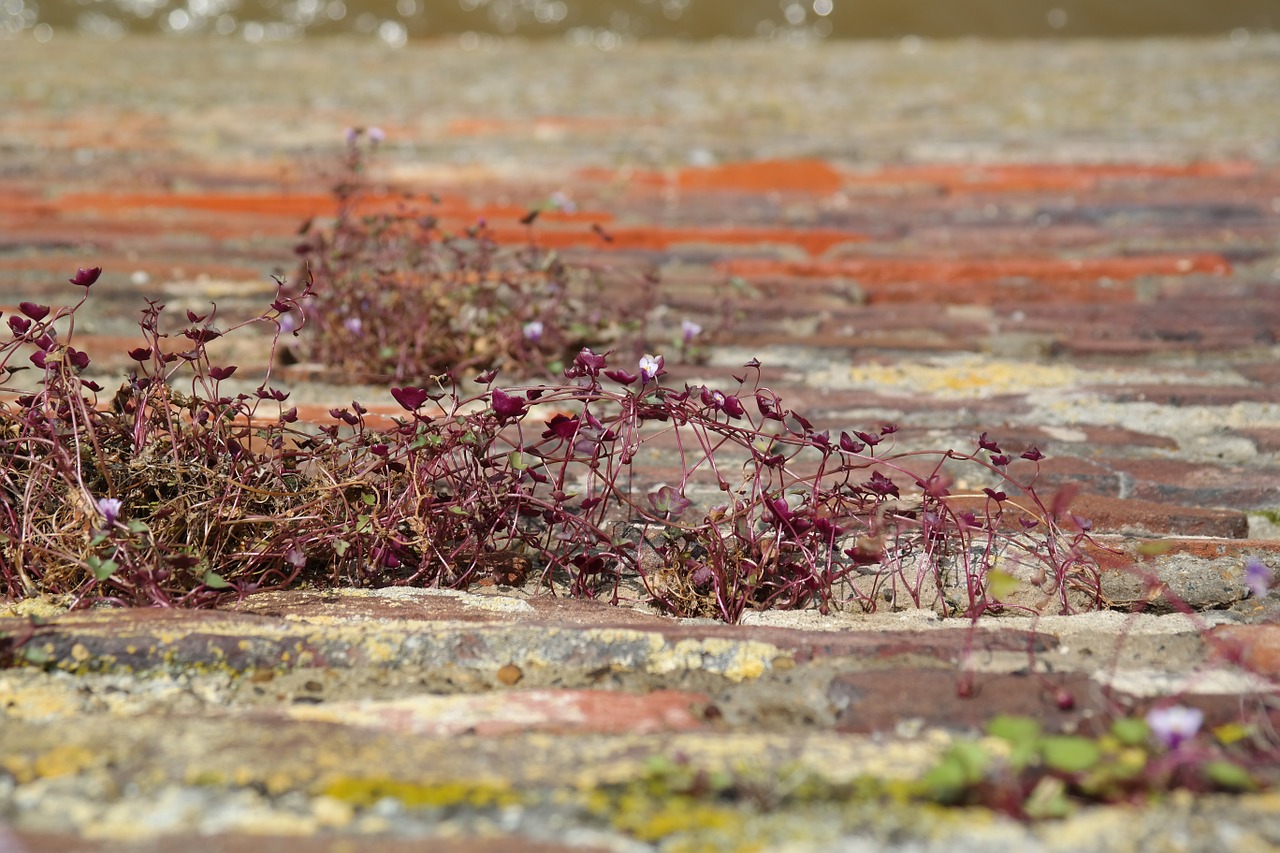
(610, 24)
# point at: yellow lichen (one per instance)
(363, 792)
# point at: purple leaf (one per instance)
(410, 397)
(86, 276)
(621, 376)
(1033, 454)
(202, 336)
(988, 444)
(881, 485)
(669, 502)
(870, 439)
(19, 325)
(848, 445)
(507, 406)
(34, 311)
(589, 362)
(79, 360)
(768, 405)
(220, 373)
(561, 426)
(140, 353)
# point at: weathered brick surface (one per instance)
(1103, 290)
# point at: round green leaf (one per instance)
(1069, 754)
(1130, 731)
(1014, 729)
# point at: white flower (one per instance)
(689, 330)
(651, 367)
(560, 200)
(533, 330)
(1174, 724)
(110, 509)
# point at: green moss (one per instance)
(1271, 515)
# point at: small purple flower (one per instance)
(288, 322)
(353, 325)
(351, 134)
(560, 200)
(376, 135)
(651, 367)
(689, 330)
(533, 331)
(110, 509)
(1257, 577)
(1173, 725)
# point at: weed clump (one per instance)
(177, 491)
(397, 295)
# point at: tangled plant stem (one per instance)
(177, 493)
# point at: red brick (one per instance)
(952, 271)
(1042, 177)
(763, 176)
(880, 701)
(1256, 647)
(1147, 518)
(1121, 551)
(514, 711)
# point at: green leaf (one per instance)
(1131, 731)
(1014, 729)
(1070, 754)
(1001, 584)
(213, 580)
(340, 546)
(1048, 799)
(1229, 776)
(517, 460)
(136, 526)
(36, 654)
(973, 757)
(102, 569)
(945, 782)
(369, 498)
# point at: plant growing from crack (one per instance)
(189, 486)
(1022, 771)
(398, 295)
